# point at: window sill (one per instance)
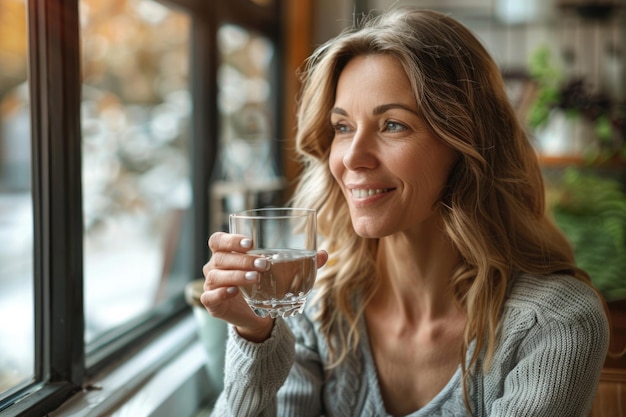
(166, 378)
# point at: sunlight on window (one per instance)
(16, 208)
(249, 175)
(136, 177)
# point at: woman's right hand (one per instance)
(228, 268)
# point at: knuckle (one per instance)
(210, 280)
(217, 261)
(206, 269)
(214, 241)
(213, 302)
(205, 299)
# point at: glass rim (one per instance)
(273, 213)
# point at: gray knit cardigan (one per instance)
(554, 337)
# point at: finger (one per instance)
(228, 304)
(214, 298)
(227, 242)
(322, 258)
(236, 261)
(217, 278)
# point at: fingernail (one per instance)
(231, 290)
(246, 243)
(251, 275)
(260, 263)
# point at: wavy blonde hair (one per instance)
(493, 207)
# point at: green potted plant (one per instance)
(591, 211)
(568, 119)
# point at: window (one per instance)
(248, 164)
(136, 177)
(17, 348)
(109, 127)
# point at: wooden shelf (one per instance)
(617, 311)
(579, 161)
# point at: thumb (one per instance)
(322, 258)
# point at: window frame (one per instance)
(63, 363)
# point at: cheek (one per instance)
(335, 163)
(429, 176)
(435, 175)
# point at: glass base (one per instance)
(276, 310)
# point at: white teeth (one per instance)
(362, 193)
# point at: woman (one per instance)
(446, 289)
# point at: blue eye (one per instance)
(340, 128)
(394, 127)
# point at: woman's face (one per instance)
(390, 167)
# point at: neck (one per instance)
(415, 275)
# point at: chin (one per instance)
(369, 229)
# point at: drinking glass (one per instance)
(286, 237)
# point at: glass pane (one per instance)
(136, 176)
(249, 175)
(16, 209)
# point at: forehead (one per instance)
(376, 76)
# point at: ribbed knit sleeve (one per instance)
(301, 395)
(254, 372)
(554, 343)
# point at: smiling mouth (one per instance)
(363, 192)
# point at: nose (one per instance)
(362, 151)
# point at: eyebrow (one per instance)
(338, 110)
(378, 110)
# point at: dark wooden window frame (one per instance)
(63, 361)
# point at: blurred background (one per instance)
(186, 113)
